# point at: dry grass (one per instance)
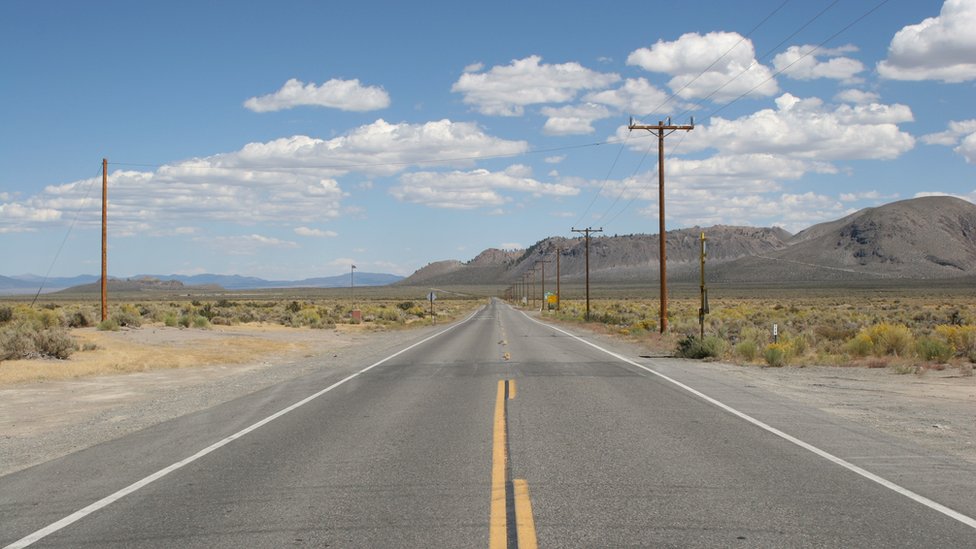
(120, 352)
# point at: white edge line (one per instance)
(108, 500)
(967, 520)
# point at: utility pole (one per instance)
(703, 309)
(543, 263)
(352, 282)
(104, 239)
(559, 297)
(661, 128)
(587, 232)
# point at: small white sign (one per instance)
(431, 296)
(775, 329)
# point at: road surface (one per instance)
(498, 431)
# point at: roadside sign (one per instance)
(431, 296)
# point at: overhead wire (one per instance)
(772, 76)
(74, 221)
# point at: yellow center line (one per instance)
(524, 523)
(498, 522)
(522, 512)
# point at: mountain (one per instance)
(921, 238)
(28, 284)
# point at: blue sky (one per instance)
(291, 139)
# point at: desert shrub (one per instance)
(185, 320)
(207, 311)
(860, 346)
(962, 339)
(930, 348)
(220, 321)
(6, 314)
(79, 319)
(307, 317)
(293, 307)
(89, 347)
(835, 332)
(108, 325)
(747, 349)
(128, 316)
(51, 318)
(16, 341)
(389, 315)
(201, 322)
(695, 347)
(171, 319)
(56, 343)
(25, 340)
(776, 355)
(405, 305)
(889, 339)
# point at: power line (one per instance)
(66, 235)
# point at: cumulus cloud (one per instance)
(809, 129)
(14, 212)
(346, 95)
(505, 90)
(690, 60)
(808, 63)
(473, 189)
(285, 180)
(317, 233)
(968, 148)
(636, 95)
(939, 48)
(573, 119)
(961, 135)
(857, 97)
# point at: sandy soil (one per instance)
(175, 372)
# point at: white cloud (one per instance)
(346, 95)
(473, 189)
(867, 195)
(968, 148)
(939, 48)
(690, 60)
(808, 129)
(957, 130)
(636, 96)
(505, 90)
(317, 233)
(555, 159)
(573, 119)
(286, 180)
(474, 67)
(15, 212)
(857, 97)
(804, 63)
(961, 133)
(510, 246)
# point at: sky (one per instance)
(288, 140)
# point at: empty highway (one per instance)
(497, 431)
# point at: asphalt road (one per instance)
(499, 432)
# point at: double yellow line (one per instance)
(502, 515)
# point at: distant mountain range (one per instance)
(28, 284)
(917, 239)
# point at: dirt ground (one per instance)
(168, 372)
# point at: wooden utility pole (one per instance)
(104, 239)
(587, 232)
(559, 252)
(543, 276)
(703, 309)
(661, 128)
